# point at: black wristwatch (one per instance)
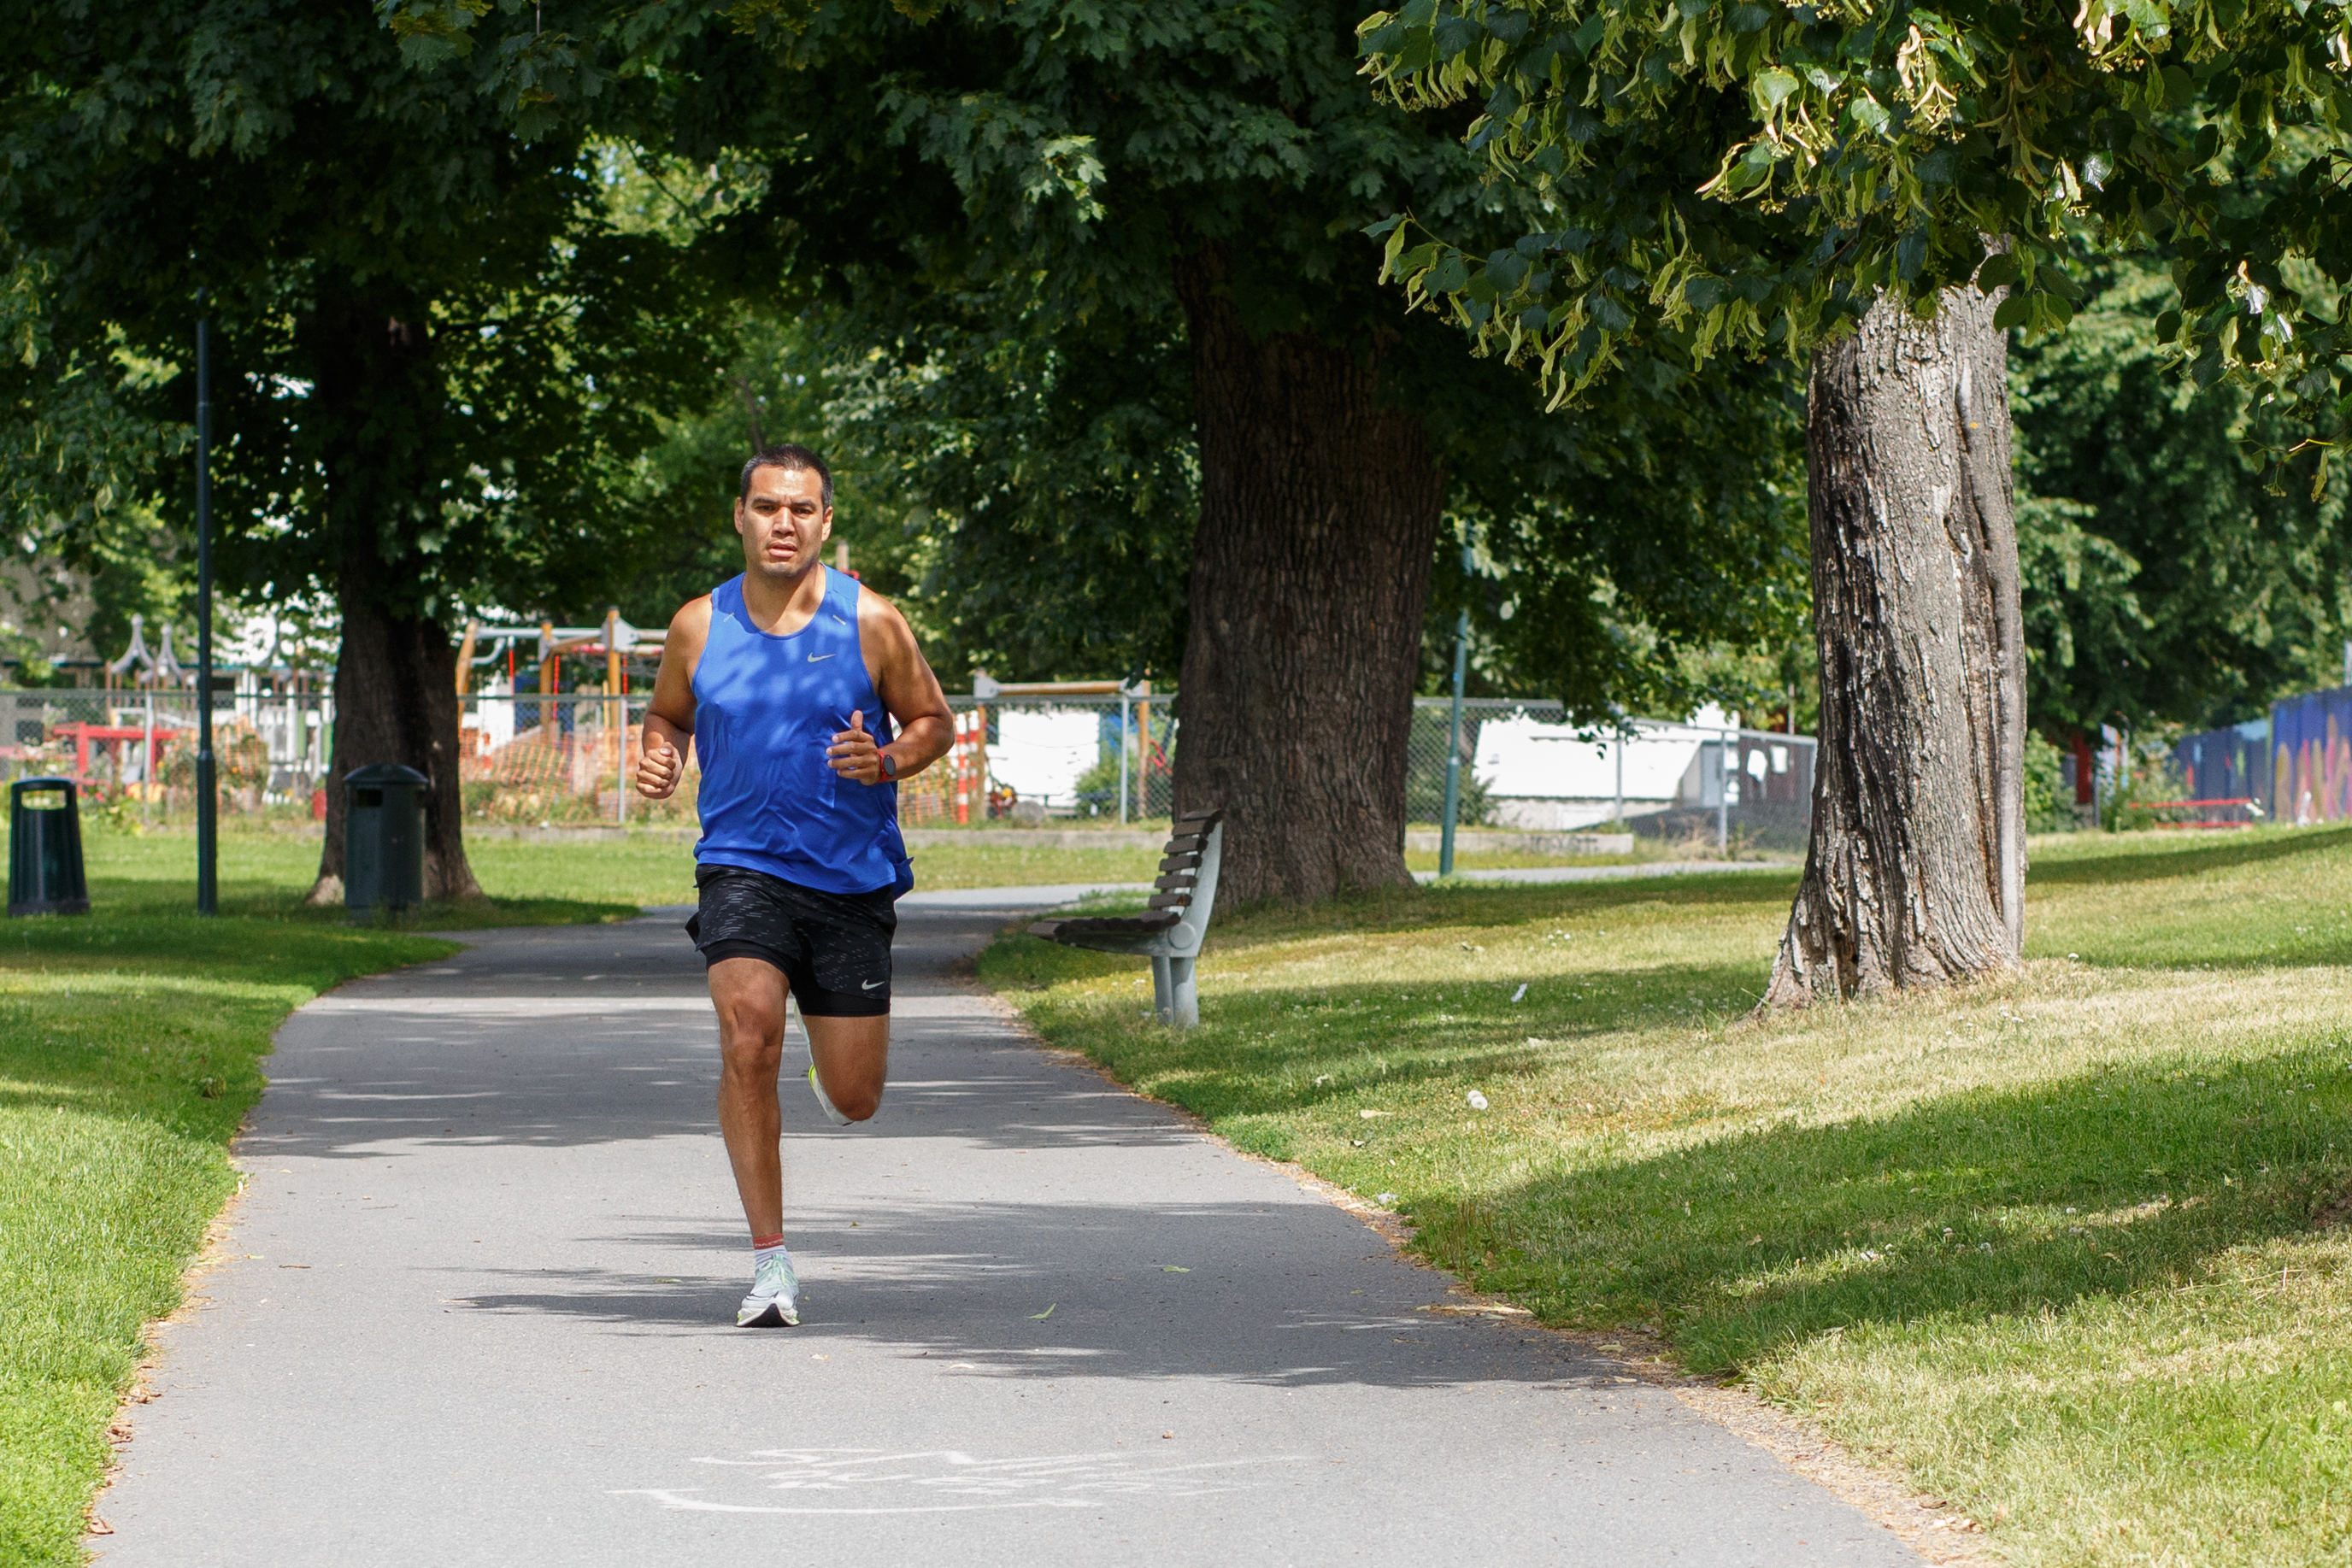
(890, 768)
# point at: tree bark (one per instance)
(397, 701)
(377, 398)
(1915, 875)
(1319, 508)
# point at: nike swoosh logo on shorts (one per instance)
(817, 658)
(869, 985)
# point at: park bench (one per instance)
(1169, 932)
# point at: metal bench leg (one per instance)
(1187, 999)
(1163, 990)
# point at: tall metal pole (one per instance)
(1617, 823)
(1728, 753)
(207, 821)
(1453, 747)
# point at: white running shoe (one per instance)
(825, 1099)
(773, 1299)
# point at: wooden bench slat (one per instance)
(1174, 880)
(1170, 901)
(1180, 863)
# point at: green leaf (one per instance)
(1772, 88)
(2167, 325)
(1999, 271)
(2014, 311)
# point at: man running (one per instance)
(786, 681)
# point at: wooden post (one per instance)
(616, 712)
(980, 756)
(548, 666)
(465, 656)
(1143, 749)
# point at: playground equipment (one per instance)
(546, 744)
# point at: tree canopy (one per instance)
(1735, 176)
(2165, 580)
(437, 344)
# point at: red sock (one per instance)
(763, 1243)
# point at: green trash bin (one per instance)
(383, 838)
(45, 869)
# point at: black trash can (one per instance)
(383, 838)
(45, 869)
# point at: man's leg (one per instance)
(750, 996)
(853, 1059)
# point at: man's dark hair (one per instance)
(790, 456)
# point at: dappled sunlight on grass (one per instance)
(1957, 1227)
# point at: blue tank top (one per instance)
(765, 709)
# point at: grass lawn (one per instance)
(527, 881)
(131, 1048)
(2070, 1250)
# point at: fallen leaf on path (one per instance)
(1041, 1317)
(1173, 1268)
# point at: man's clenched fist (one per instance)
(660, 767)
(853, 753)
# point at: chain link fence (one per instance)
(530, 760)
(1526, 767)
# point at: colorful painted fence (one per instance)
(2311, 756)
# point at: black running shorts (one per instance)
(833, 948)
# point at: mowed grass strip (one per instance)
(2070, 1249)
(535, 882)
(131, 1043)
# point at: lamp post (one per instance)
(207, 822)
(1453, 746)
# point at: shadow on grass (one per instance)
(126, 903)
(1473, 905)
(2137, 863)
(1976, 1206)
(1263, 1052)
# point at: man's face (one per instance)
(784, 522)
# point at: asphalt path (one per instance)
(478, 1299)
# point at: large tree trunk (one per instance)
(1916, 872)
(1320, 506)
(397, 701)
(375, 401)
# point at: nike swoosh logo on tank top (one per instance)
(764, 714)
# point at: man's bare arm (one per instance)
(903, 680)
(669, 717)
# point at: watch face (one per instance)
(889, 766)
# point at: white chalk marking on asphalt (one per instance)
(1056, 1480)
